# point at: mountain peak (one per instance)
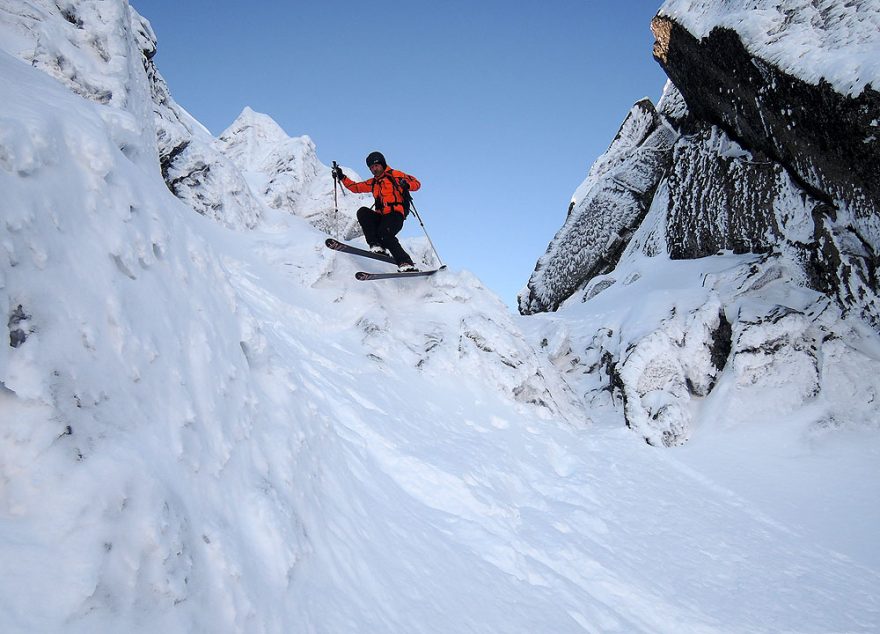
(254, 137)
(255, 127)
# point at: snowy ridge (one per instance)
(206, 429)
(830, 40)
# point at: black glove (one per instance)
(404, 185)
(337, 173)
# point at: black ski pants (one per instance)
(382, 229)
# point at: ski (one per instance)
(336, 245)
(363, 276)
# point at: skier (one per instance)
(391, 189)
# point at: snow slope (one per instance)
(210, 430)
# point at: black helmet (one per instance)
(376, 157)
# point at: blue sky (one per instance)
(499, 108)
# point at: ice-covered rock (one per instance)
(795, 84)
(660, 373)
(608, 207)
(764, 143)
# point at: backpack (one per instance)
(405, 196)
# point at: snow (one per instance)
(811, 39)
(207, 429)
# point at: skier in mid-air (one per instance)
(391, 189)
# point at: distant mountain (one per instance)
(252, 165)
(285, 173)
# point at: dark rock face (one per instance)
(721, 200)
(809, 185)
(751, 160)
(825, 139)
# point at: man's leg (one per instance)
(369, 221)
(389, 226)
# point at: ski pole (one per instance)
(431, 242)
(335, 203)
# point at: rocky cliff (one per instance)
(765, 145)
(745, 153)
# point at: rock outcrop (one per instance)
(615, 199)
(742, 156)
(814, 165)
(764, 144)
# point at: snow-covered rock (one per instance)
(751, 150)
(660, 373)
(794, 83)
(733, 331)
(814, 40)
(769, 151)
(94, 49)
(608, 207)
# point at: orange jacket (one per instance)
(386, 189)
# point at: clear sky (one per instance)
(499, 108)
